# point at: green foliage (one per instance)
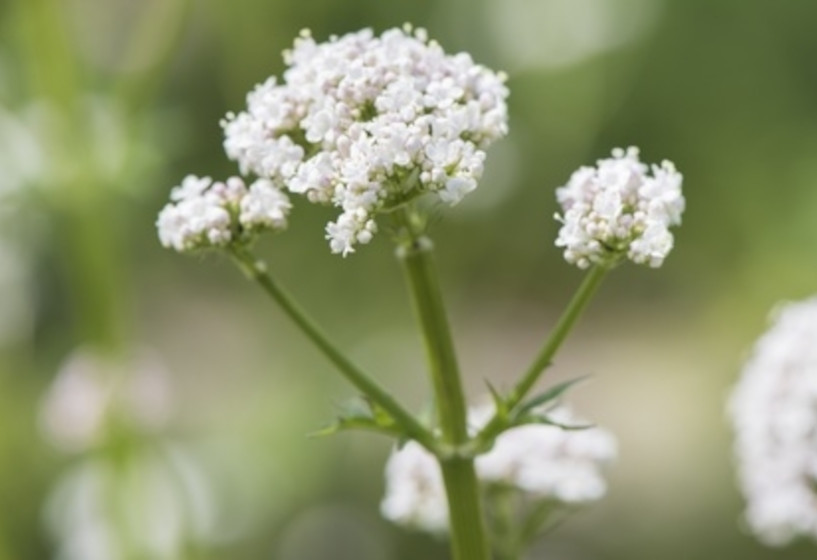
(362, 414)
(548, 397)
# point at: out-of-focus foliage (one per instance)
(105, 104)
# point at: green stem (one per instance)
(468, 538)
(506, 546)
(442, 359)
(256, 270)
(468, 535)
(566, 322)
(574, 309)
(535, 522)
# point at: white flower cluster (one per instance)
(365, 123)
(774, 412)
(415, 493)
(203, 213)
(618, 209)
(544, 462)
(547, 461)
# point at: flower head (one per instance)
(774, 411)
(549, 462)
(620, 208)
(206, 214)
(542, 462)
(366, 123)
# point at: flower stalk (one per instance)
(581, 298)
(468, 535)
(467, 525)
(442, 359)
(506, 543)
(572, 312)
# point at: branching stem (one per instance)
(256, 270)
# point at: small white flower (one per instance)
(652, 246)
(618, 209)
(231, 192)
(190, 188)
(264, 206)
(456, 188)
(349, 229)
(774, 412)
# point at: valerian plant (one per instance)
(386, 129)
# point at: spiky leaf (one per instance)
(548, 396)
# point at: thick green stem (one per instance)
(256, 270)
(468, 540)
(468, 535)
(442, 359)
(566, 322)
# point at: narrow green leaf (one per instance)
(542, 419)
(548, 396)
(499, 401)
(365, 423)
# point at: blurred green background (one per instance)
(105, 104)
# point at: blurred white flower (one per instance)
(39, 143)
(365, 123)
(543, 462)
(549, 462)
(415, 494)
(207, 214)
(155, 503)
(774, 411)
(618, 209)
(91, 391)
